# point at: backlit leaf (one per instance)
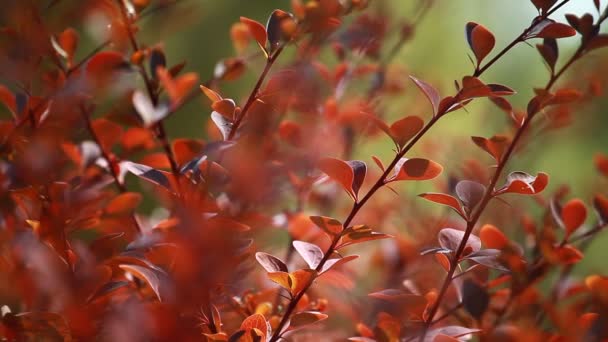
(450, 238)
(311, 253)
(257, 30)
(444, 199)
(306, 318)
(431, 93)
(339, 171)
(329, 225)
(270, 262)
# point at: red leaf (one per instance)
(123, 203)
(573, 215)
(480, 39)
(523, 183)
(568, 255)
(543, 5)
(444, 199)
(556, 30)
(226, 107)
(549, 51)
(349, 174)
(257, 30)
(431, 93)
(473, 87)
(106, 62)
(416, 169)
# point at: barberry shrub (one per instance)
(265, 226)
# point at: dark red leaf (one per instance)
(475, 298)
(480, 39)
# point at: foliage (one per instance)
(262, 228)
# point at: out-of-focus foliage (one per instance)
(371, 170)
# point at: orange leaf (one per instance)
(416, 169)
(257, 30)
(444, 199)
(405, 129)
(329, 225)
(492, 237)
(255, 321)
(177, 88)
(211, 94)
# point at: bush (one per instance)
(114, 228)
